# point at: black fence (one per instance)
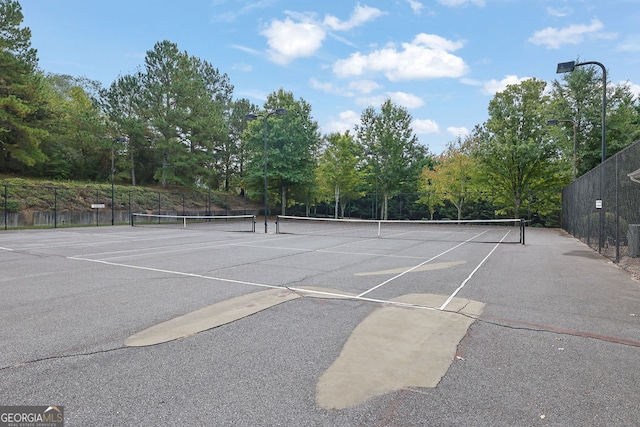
(602, 207)
(62, 205)
(59, 206)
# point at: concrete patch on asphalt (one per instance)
(210, 317)
(425, 267)
(316, 292)
(396, 348)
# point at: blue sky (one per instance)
(443, 60)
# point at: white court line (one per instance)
(179, 247)
(452, 296)
(419, 265)
(261, 285)
(178, 273)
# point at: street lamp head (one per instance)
(566, 67)
(281, 111)
(552, 122)
(251, 116)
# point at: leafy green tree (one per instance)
(234, 150)
(185, 102)
(123, 102)
(338, 169)
(77, 145)
(452, 178)
(395, 158)
(22, 105)
(514, 150)
(578, 98)
(293, 140)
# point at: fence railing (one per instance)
(602, 207)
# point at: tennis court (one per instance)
(171, 325)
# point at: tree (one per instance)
(451, 178)
(185, 102)
(77, 143)
(514, 150)
(578, 97)
(337, 172)
(124, 105)
(234, 148)
(293, 140)
(395, 157)
(22, 105)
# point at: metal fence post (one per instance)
(55, 207)
(6, 216)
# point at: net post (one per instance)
(131, 219)
(277, 224)
(522, 228)
(379, 228)
(184, 222)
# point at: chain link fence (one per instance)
(602, 207)
(72, 205)
(59, 206)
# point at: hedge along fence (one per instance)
(25, 205)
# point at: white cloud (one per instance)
(461, 132)
(403, 99)
(558, 12)
(554, 38)
(426, 57)
(367, 101)
(364, 86)
(289, 40)
(301, 34)
(246, 49)
(406, 100)
(346, 120)
(635, 89)
(328, 87)
(631, 44)
(359, 16)
(416, 6)
(454, 3)
(425, 126)
(494, 86)
(242, 67)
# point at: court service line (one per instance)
(453, 295)
(410, 269)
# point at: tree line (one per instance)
(176, 122)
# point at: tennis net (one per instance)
(213, 222)
(485, 231)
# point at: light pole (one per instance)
(113, 171)
(575, 139)
(567, 67)
(265, 116)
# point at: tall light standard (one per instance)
(567, 67)
(265, 116)
(113, 171)
(575, 139)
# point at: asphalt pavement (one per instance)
(553, 340)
